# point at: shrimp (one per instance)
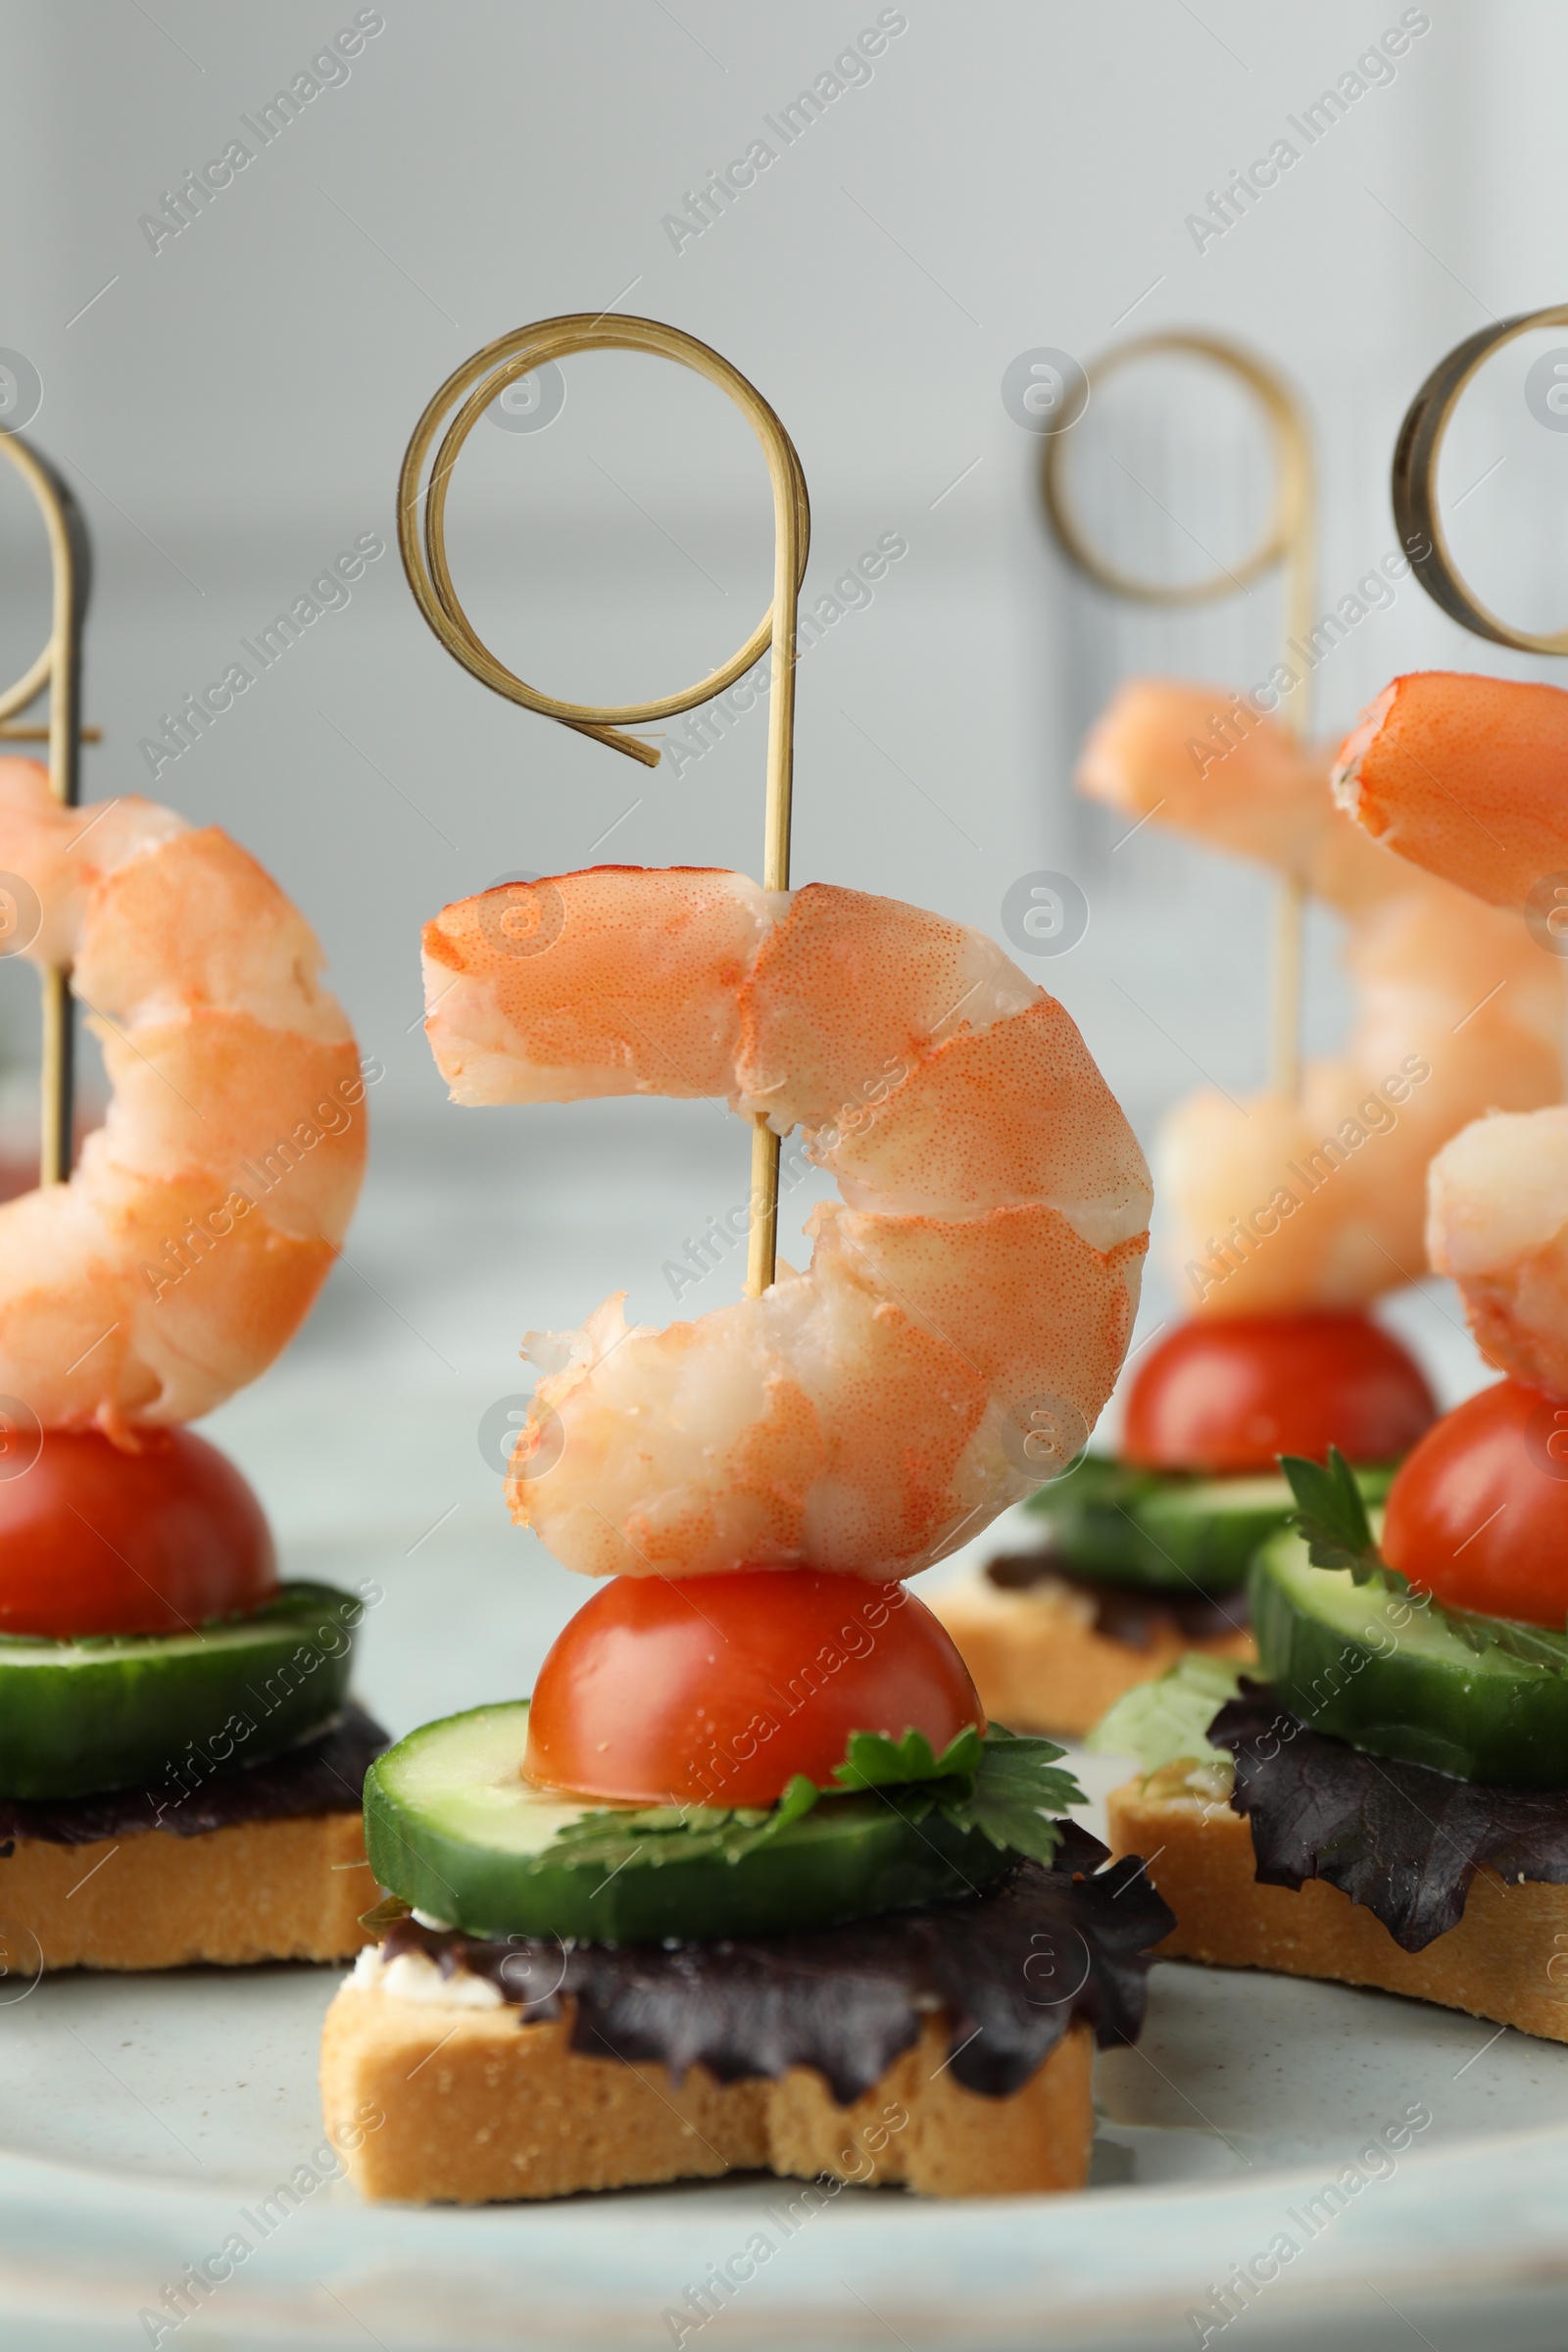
(1281, 1204)
(204, 1214)
(1465, 776)
(968, 1302)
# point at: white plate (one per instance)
(144, 2121)
(151, 2123)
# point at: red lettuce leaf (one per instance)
(1400, 1840)
(1010, 1969)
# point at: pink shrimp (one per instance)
(966, 1307)
(1319, 1202)
(1466, 776)
(204, 1215)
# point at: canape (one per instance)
(856, 1938)
(1143, 1556)
(1387, 1802)
(181, 1766)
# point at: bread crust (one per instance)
(1038, 1662)
(285, 1889)
(427, 2102)
(1506, 1960)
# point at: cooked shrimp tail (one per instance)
(204, 1213)
(1318, 1202)
(968, 1301)
(1468, 778)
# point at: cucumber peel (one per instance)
(168, 1711)
(1332, 1515)
(1351, 1648)
(1171, 1531)
(1369, 1661)
(454, 1829)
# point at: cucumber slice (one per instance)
(452, 1826)
(1172, 1532)
(1374, 1668)
(167, 1711)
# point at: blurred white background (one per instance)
(232, 408)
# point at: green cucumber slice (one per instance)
(1167, 1530)
(1377, 1669)
(452, 1826)
(167, 1711)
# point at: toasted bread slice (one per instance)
(430, 2102)
(1040, 1665)
(285, 1889)
(1506, 1960)
(261, 1863)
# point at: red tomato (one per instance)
(95, 1539)
(1232, 1393)
(717, 1690)
(1478, 1514)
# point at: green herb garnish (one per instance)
(1331, 1513)
(1001, 1785)
(1333, 1517)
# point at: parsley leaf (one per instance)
(1015, 1790)
(1331, 1513)
(1532, 1645)
(1002, 1786)
(874, 1761)
(621, 1837)
(798, 1798)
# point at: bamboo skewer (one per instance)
(1293, 446)
(1288, 539)
(470, 390)
(41, 734)
(58, 668)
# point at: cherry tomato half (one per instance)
(1232, 1393)
(717, 1690)
(96, 1539)
(1478, 1514)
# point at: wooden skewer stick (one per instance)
(59, 669)
(1285, 995)
(469, 390)
(762, 1257)
(41, 735)
(1288, 538)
